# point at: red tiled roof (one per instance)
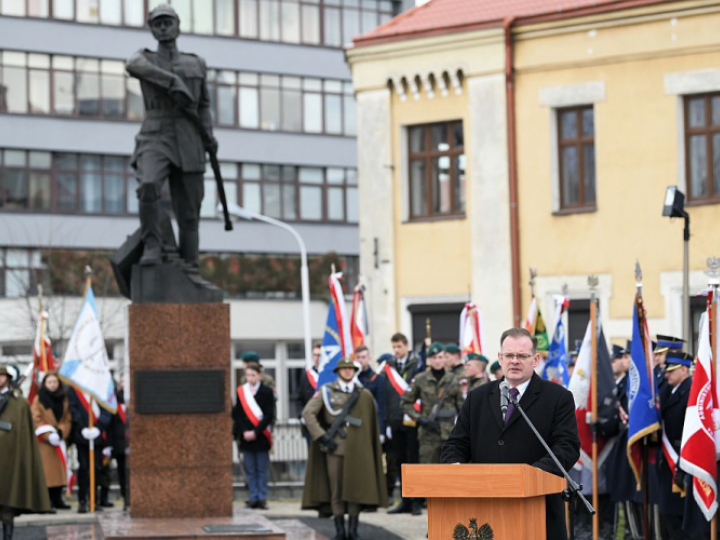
(444, 16)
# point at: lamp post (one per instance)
(675, 207)
(243, 213)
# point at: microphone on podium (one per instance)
(504, 397)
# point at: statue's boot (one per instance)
(149, 210)
(353, 522)
(339, 528)
(190, 250)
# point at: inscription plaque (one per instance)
(179, 392)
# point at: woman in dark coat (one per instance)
(253, 415)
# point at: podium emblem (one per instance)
(473, 532)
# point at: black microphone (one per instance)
(504, 397)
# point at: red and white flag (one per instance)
(471, 329)
(343, 326)
(43, 360)
(698, 453)
(359, 325)
(312, 376)
(252, 409)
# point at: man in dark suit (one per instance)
(483, 435)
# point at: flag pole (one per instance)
(41, 322)
(645, 476)
(88, 284)
(713, 263)
(593, 283)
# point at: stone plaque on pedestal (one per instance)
(181, 458)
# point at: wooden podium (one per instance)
(510, 499)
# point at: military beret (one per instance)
(495, 367)
(478, 357)
(435, 348)
(452, 349)
(251, 356)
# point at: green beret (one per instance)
(250, 356)
(495, 366)
(452, 349)
(346, 363)
(435, 348)
(478, 357)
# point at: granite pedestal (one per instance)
(180, 411)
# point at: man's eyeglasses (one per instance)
(518, 356)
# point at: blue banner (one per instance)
(555, 368)
(331, 351)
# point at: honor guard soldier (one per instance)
(251, 357)
(664, 345)
(496, 370)
(344, 468)
(453, 361)
(440, 398)
(475, 369)
(22, 480)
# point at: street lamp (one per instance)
(675, 207)
(244, 213)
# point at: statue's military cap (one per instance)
(163, 10)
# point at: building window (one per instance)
(576, 147)
(90, 88)
(702, 147)
(20, 272)
(331, 23)
(436, 170)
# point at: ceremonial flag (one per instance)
(535, 324)
(643, 414)
(555, 368)
(331, 350)
(343, 327)
(422, 357)
(471, 329)
(580, 384)
(698, 448)
(85, 365)
(43, 360)
(359, 325)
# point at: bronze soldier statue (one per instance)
(176, 133)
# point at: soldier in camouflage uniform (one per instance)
(475, 369)
(453, 361)
(441, 400)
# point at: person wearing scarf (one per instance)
(53, 422)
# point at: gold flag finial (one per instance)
(713, 271)
(638, 277)
(593, 282)
(533, 275)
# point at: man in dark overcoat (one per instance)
(483, 434)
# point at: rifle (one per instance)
(435, 411)
(343, 418)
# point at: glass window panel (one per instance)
(716, 164)
(228, 170)
(39, 191)
(16, 188)
(132, 200)
(312, 113)
(370, 4)
(112, 67)
(351, 25)
(369, 20)
(17, 258)
(88, 64)
(290, 21)
(311, 203)
(696, 112)
(14, 59)
(311, 175)
(441, 185)
(271, 200)
(333, 114)
(87, 11)
(589, 173)
(114, 196)
(114, 163)
(113, 96)
(135, 105)
(251, 171)
(458, 135)
(13, 7)
(90, 163)
(207, 208)
(64, 92)
(225, 17)
(351, 176)
(312, 84)
(333, 86)
(291, 110)
(39, 91)
(270, 80)
(63, 62)
(231, 192)
(91, 186)
(17, 283)
(289, 195)
(40, 160)
(310, 24)
(439, 138)
(588, 123)
(568, 124)
(134, 12)
(64, 9)
(111, 12)
(698, 166)
(249, 113)
(288, 173)
(417, 139)
(353, 213)
(88, 94)
(66, 191)
(335, 176)
(332, 27)
(184, 11)
(203, 15)
(250, 79)
(251, 197)
(571, 186)
(459, 184)
(66, 161)
(349, 115)
(15, 158)
(270, 20)
(418, 188)
(269, 109)
(14, 80)
(271, 172)
(293, 83)
(41, 61)
(248, 18)
(715, 101)
(336, 204)
(227, 98)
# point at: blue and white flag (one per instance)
(331, 351)
(85, 366)
(555, 368)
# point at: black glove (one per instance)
(327, 445)
(428, 424)
(680, 479)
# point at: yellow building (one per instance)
(608, 104)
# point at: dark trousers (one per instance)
(83, 476)
(256, 472)
(406, 447)
(391, 467)
(105, 476)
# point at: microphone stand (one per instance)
(573, 491)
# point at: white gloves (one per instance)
(382, 439)
(90, 434)
(54, 439)
(388, 433)
(107, 451)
